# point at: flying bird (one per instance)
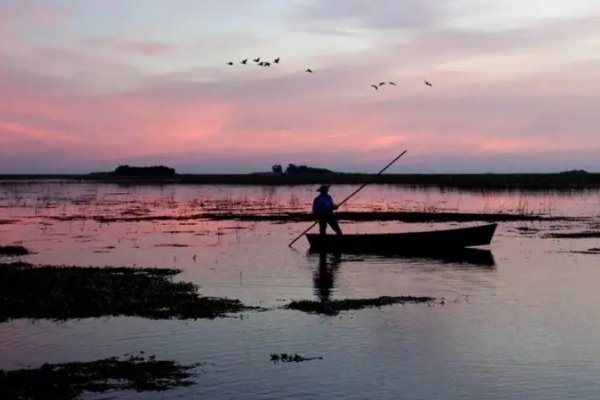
(375, 87)
(392, 83)
(309, 70)
(262, 63)
(230, 63)
(244, 61)
(381, 83)
(276, 61)
(256, 59)
(428, 84)
(267, 64)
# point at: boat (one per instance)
(406, 242)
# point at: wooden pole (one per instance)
(349, 197)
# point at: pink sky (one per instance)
(88, 86)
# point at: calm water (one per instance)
(523, 323)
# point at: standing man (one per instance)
(323, 207)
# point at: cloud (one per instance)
(501, 96)
(378, 15)
(146, 48)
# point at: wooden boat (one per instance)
(407, 242)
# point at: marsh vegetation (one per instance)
(71, 380)
(64, 292)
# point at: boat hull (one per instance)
(407, 242)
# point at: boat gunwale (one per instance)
(410, 233)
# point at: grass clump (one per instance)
(70, 380)
(334, 307)
(63, 292)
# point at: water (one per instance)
(522, 323)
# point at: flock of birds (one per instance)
(258, 62)
(262, 63)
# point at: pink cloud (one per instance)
(291, 118)
(147, 48)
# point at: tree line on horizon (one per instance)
(298, 169)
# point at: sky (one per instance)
(87, 86)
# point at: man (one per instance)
(323, 207)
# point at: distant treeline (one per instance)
(554, 181)
(299, 169)
(157, 171)
(567, 180)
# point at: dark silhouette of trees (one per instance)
(277, 169)
(154, 171)
(303, 169)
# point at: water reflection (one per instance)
(468, 256)
(464, 256)
(324, 275)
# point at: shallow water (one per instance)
(521, 322)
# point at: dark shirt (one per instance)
(323, 204)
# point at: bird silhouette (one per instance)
(244, 61)
(375, 87)
(381, 83)
(262, 63)
(267, 64)
(276, 61)
(392, 83)
(309, 70)
(256, 59)
(428, 84)
(230, 63)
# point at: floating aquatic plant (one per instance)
(70, 380)
(13, 251)
(334, 307)
(62, 292)
(285, 357)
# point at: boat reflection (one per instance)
(329, 263)
(468, 256)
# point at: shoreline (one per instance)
(486, 181)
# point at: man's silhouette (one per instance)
(323, 207)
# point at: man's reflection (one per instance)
(324, 276)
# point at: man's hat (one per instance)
(323, 188)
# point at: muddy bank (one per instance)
(403, 216)
(64, 292)
(334, 307)
(70, 380)
(13, 251)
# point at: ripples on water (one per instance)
(520, 321)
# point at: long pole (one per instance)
(349, 197)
